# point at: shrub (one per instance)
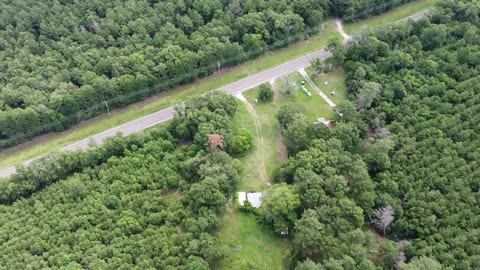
(241, 142)
(266, 92)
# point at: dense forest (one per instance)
(428, 99)
(392, 185)
(59, 60)
(141, 202)
(395, 183)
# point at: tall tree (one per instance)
(383, 218)
(279, 206)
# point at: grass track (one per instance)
(249, 245)
(251, 177)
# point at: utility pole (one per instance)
(218, 65)
(106, 105)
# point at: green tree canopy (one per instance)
(279, 205)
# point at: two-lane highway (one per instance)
(168, 113)
(276, 72)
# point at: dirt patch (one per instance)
(378, 237)
(281, 148)
(229, 206)
(348, 179)
(339, 24)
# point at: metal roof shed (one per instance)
(255, 199)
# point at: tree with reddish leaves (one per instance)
(215, 141)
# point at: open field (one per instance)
(266, 111)
(246, 240)
(266, 116)
(390, 16)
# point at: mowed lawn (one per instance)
(335, 83)
(251, 176)
(250, 245)
(393, 15)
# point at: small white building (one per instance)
(242, 197)
(255, 198)
(322, 120)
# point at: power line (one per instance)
(194, 73)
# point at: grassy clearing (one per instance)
(336, 83)
(315, 105)
(266, 116)
(55, 141)
(172, 196)
(391, 16)
(251, 175)
(249, 245)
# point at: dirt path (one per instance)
(346, 37)
(229, 205)
(281, 148)
(258, 130)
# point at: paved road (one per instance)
(127, 128)
(167, 114)
(417, 16)
(271, 74)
